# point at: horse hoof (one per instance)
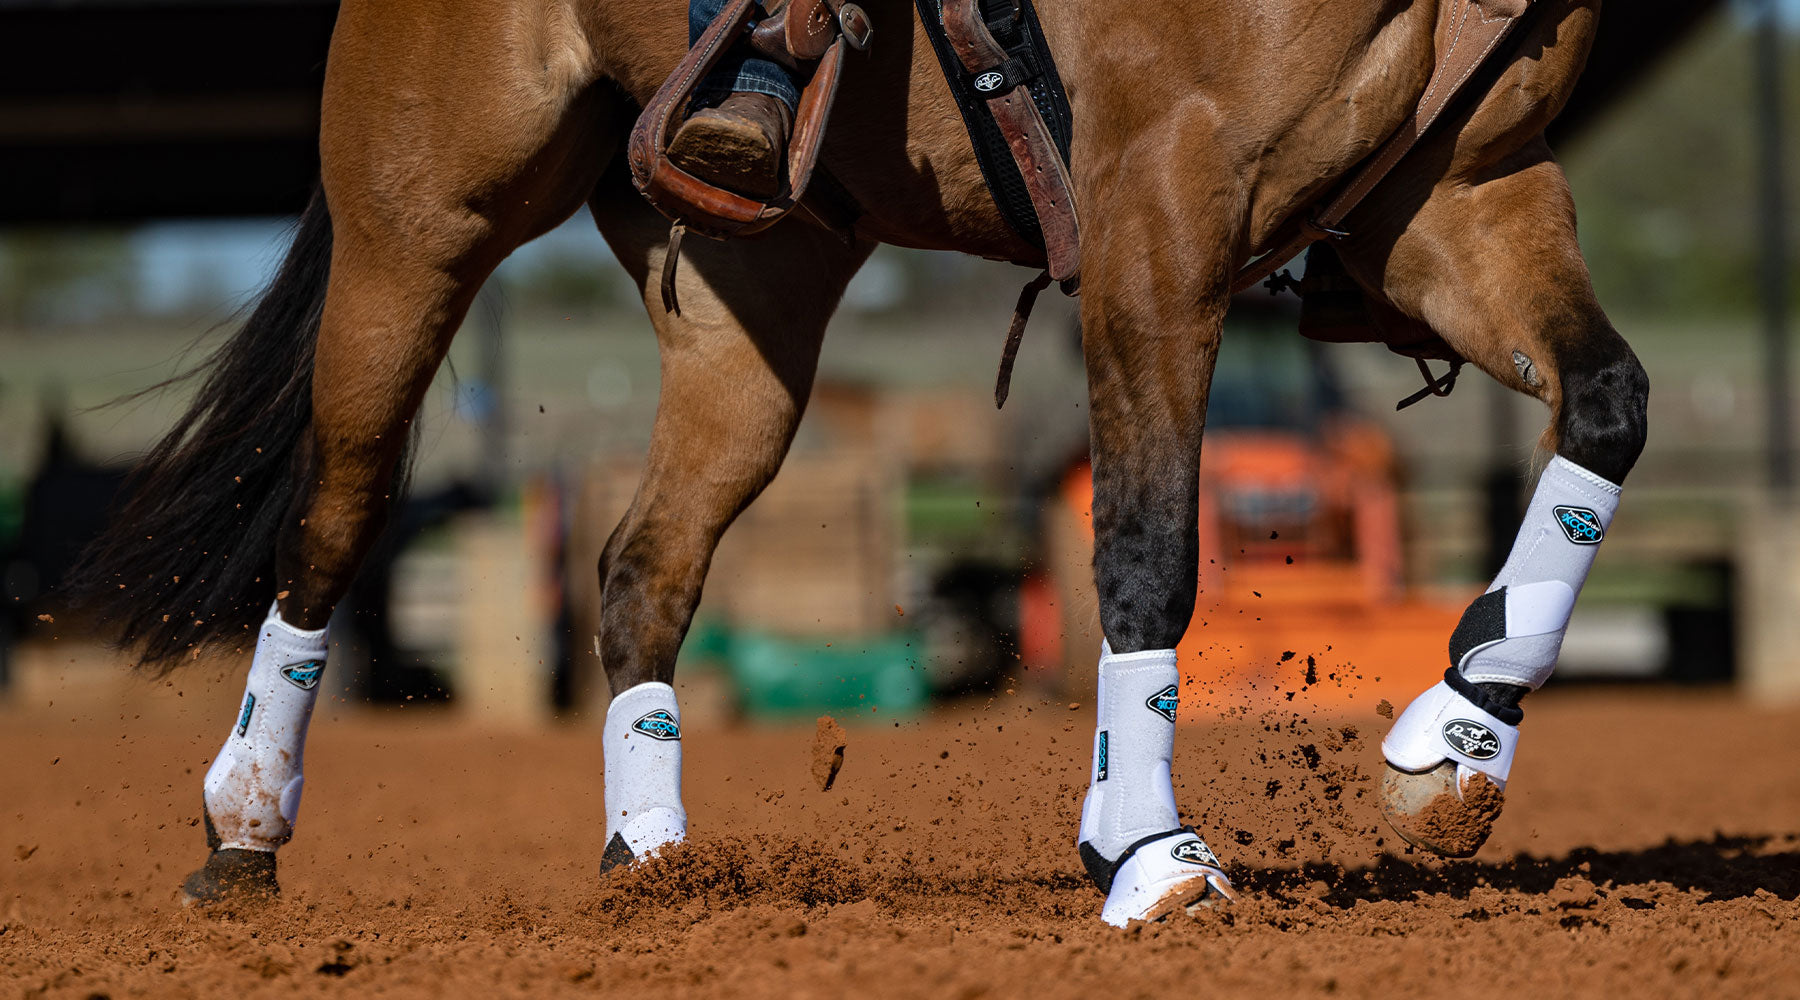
(232, 875)
(1440, 811)
(1192, 897)
(1164, 877)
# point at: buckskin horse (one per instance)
(453, 133)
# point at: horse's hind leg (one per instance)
(737, 367)
(406, 259)
(1495, 268)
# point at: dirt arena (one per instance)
(1650, 846)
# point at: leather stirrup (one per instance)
(708, 209)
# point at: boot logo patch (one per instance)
(658, 725)
(305, 674)
(243, 725)
(1100, 758)
(1194, 852)
(1580, 524)
(1472, 739)
(989, 82)
(1163, 702)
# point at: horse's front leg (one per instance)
(1153, 303)
(737, 367)
(1495, 268)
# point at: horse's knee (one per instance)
(1602, 422)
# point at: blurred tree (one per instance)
(566, 281)
(50, 277)
(1665, 183)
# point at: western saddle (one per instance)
(812, 35)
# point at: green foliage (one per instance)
(59, 276)
(1666, 188)
(566, 281)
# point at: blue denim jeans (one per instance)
(738, 70)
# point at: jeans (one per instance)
(738, 70)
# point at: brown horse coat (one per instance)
(454, 132)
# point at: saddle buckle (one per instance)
(854, 24)
(1319, 231)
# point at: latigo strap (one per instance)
(1008, 96)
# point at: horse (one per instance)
(453, 133)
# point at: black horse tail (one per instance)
(187, 558)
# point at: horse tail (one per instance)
(187, 558)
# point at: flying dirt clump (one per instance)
(829, 740)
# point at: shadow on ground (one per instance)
(1725, 867)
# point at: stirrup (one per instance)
(804, 31)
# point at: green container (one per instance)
(778, 676)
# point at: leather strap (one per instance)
(1034, 151)
(1476, 29)
(711, 210)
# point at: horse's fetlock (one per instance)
(1603, 420)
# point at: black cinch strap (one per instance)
(1014, 25)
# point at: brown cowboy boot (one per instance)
(739, 145)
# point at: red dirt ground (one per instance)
(1650, 845)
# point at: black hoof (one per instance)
(232, 875)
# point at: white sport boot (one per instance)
(642, 742)
(1131, 840)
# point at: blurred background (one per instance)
(918, 544)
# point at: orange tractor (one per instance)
(1302, 598)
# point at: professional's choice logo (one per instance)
(244, 715)
(1100, 758)
(305, 674)
(1472, 739)
(1194, 852)
(658, 725)
(1580, 524)
(989, 82)
(1163, 702)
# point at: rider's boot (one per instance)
(1450, 752)
(1131, 839)
(739, 145)
(642, 745)
(252, 790)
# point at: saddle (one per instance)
(999, 68)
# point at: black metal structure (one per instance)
(120, 111)
(125, 110)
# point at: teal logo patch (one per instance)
(1100, 758)
(1580, 524)
(244, 715)
(1163, 702)
(305, 674)
(658, 725)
